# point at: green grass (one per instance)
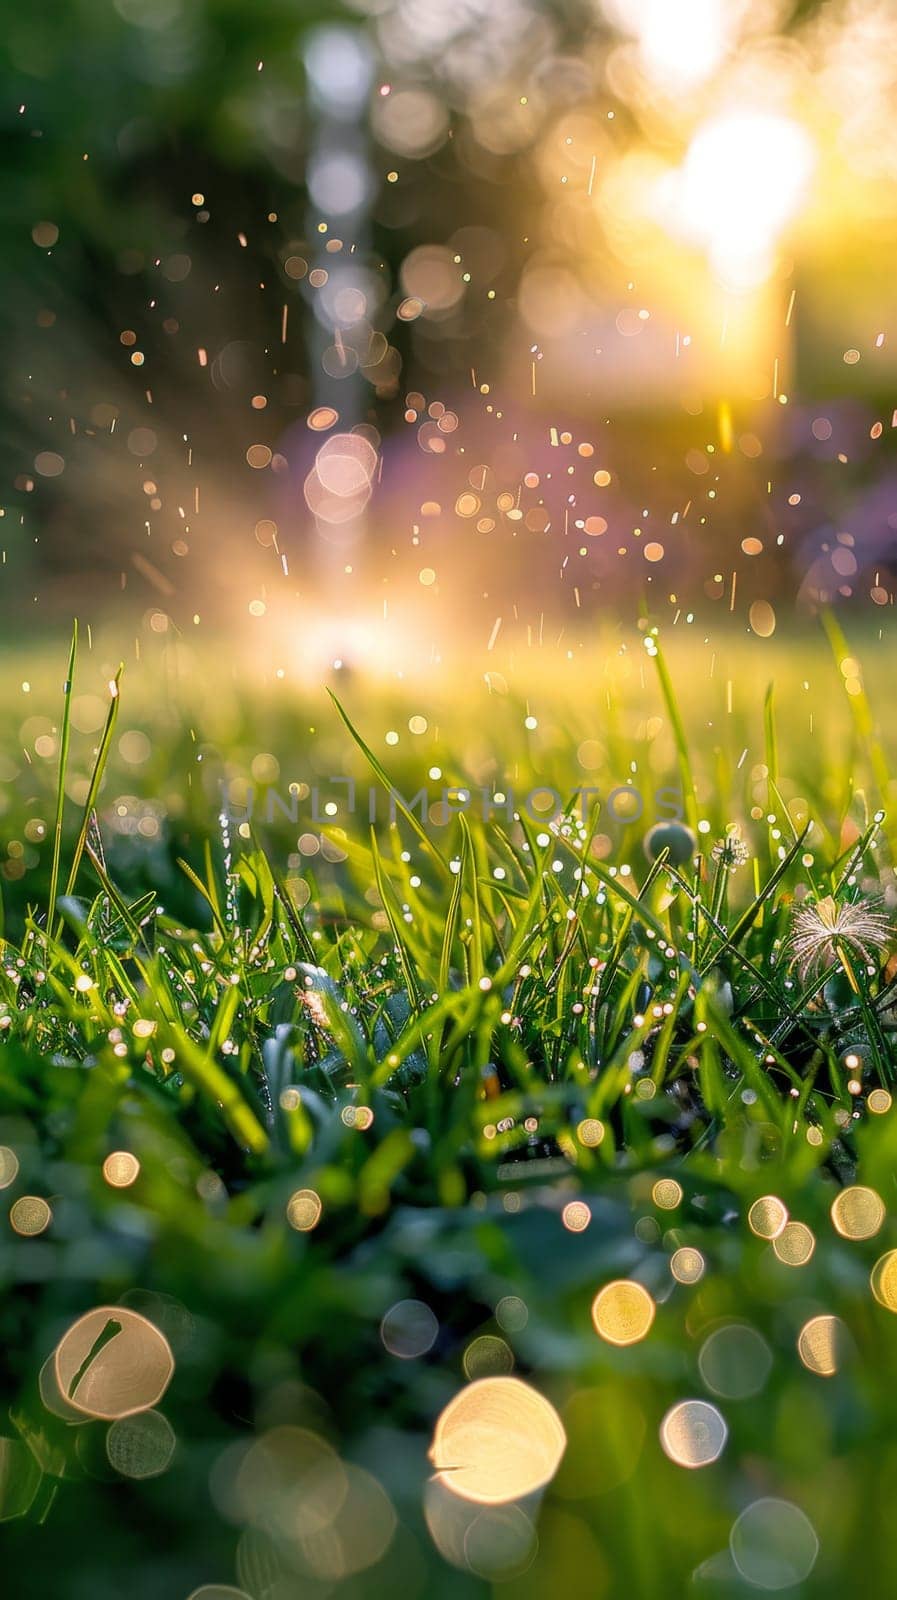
(446, 1033)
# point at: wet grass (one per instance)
(440, 1023)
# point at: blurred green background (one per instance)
(649, 242)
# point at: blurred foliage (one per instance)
(272, 1328)
(117, 115)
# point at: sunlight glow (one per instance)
(680, 42)
(744, 177)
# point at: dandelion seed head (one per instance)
(822, 929)
(731, 852)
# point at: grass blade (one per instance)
(96, 778)
(382, 776)
(64, 740)
(683, 759)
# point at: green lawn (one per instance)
(389, 1106)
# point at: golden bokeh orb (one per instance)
(884, 1280)
(623, 1312)
(858, 1212)
(819, 1344)
(576, 1216)
(9, 1166)
(121, 1169)
(30, 1215)
(687, 1264)
(667, 1194)
(113, 1363)
(497, 1440)
(590, 1132)
(795, 1244)
(304, 1210)
(767, 1217)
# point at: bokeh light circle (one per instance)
(857, 1212)
(623, 1312)
(773, 1544)
(693, 1433)
(497, 1440)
